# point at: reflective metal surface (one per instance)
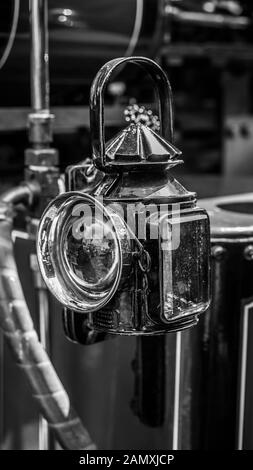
(231, 216)
(229, 355)
(164, 95)
(127, 271)
(39, 55)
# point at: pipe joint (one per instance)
(44, 157)
(40, 125)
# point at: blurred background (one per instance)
(205, 47)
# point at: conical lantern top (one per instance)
(139, 143)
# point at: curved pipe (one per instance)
(12, 36)
(28, 352)
(26, 192)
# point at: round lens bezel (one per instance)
(67, 288)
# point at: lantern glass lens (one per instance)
(81, 252)
(185, 265)
(90, 250)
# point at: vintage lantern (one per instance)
(131, 256)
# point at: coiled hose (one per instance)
(18, 328)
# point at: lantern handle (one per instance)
(164, 94)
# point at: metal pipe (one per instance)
(214, 20)
(41, 160)
(44, 336)
(30, 356)
(40, 119)
(39, 55)
(22, 193)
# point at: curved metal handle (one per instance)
(99, 84)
